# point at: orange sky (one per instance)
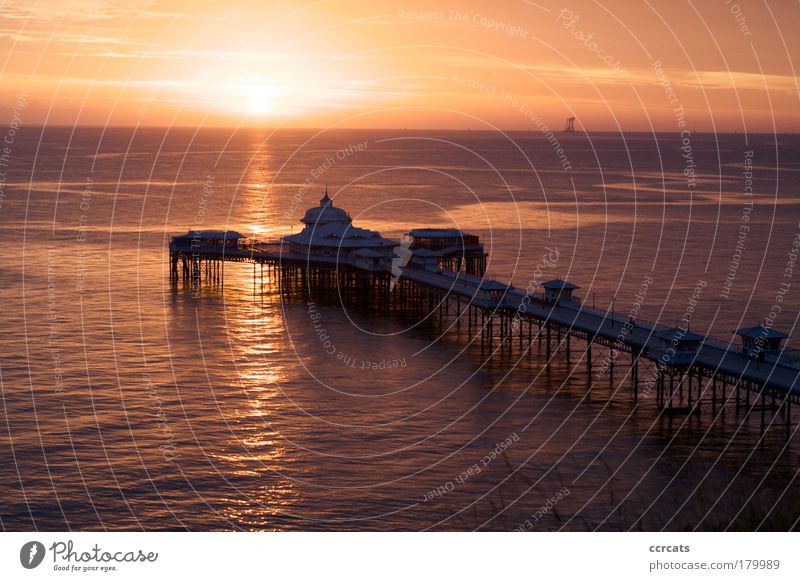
(455, 64)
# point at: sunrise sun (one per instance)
(259, 95)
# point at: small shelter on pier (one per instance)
(453, 249)
(760, 340)
(371, 259)
(440, 238)
(495, 289)
(680, 346)
(558, 290)
(424, 259)
(208, 240)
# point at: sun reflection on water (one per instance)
(256, 449)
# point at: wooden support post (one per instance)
(724, 393)
(699, 388)
(660, 388)
(671, 389)
(788, 417)
(548, 341)
(612, 357)
(482, 328)
(748, 407)
(714, 394)
(589, 359)
(689, 373)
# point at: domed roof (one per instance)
(325, 213)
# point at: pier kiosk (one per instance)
(495, 290)
(680, 346)
(557, 291)
(368, 259)
(424, 259)
(761, 342)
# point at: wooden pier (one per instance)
(689, 373)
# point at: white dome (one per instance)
(325, 213)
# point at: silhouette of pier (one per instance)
(447, 280)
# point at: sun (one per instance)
(260, 96)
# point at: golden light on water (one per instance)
(254, 448)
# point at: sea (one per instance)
(129, 402)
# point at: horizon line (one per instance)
(466, 129)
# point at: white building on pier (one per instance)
(329, 232)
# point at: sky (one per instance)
(707, 65)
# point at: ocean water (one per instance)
(127, 403)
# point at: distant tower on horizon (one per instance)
(570, 127)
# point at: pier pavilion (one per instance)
(329, 231)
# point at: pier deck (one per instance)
(595, 324)
(502, 307)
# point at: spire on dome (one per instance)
(325, 201)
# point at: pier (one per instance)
(440, 273)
